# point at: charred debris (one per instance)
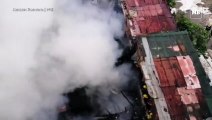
(86, 107)
(80, 104)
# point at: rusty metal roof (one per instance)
(184, 103)
(180, 86)
(174, 103)
(188, 96)
(148, 16)
(139, 3)
(169, 72)
(189, 72)
(172, 44)
(193, 100)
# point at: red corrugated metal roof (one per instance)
(188, 96)
(148, 16)
(130, 3)
(174, 103)
(189, 72)
(133, 3)
(183, 103)
(177, 71)
(184, 99)
(190, 99)
(169, 72)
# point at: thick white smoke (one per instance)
(44, 54)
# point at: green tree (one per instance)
(197, 33)
(171, 3)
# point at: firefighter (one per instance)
(144, 86)
(149, 115)
(145, 96)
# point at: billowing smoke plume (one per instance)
(44, 54)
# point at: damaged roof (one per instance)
(169, 72)
(174, 103)
(172, 44)
(189, 72)
(148, 16)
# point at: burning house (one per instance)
(173, 85)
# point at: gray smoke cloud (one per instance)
(44, 54)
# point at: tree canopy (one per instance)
(197, 33)
(171, 3)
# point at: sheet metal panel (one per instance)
(155, 16)
(149, 2)
(180, 82)
(188, 96)
(185, 103)
(194, 101)
(130, 3)
(174, 103)
(189, 72)
(169, 72)
(161, 73)
(186, 65)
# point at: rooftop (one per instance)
(165, 46)
(148, 16)
(169, 72)
(139, 3)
